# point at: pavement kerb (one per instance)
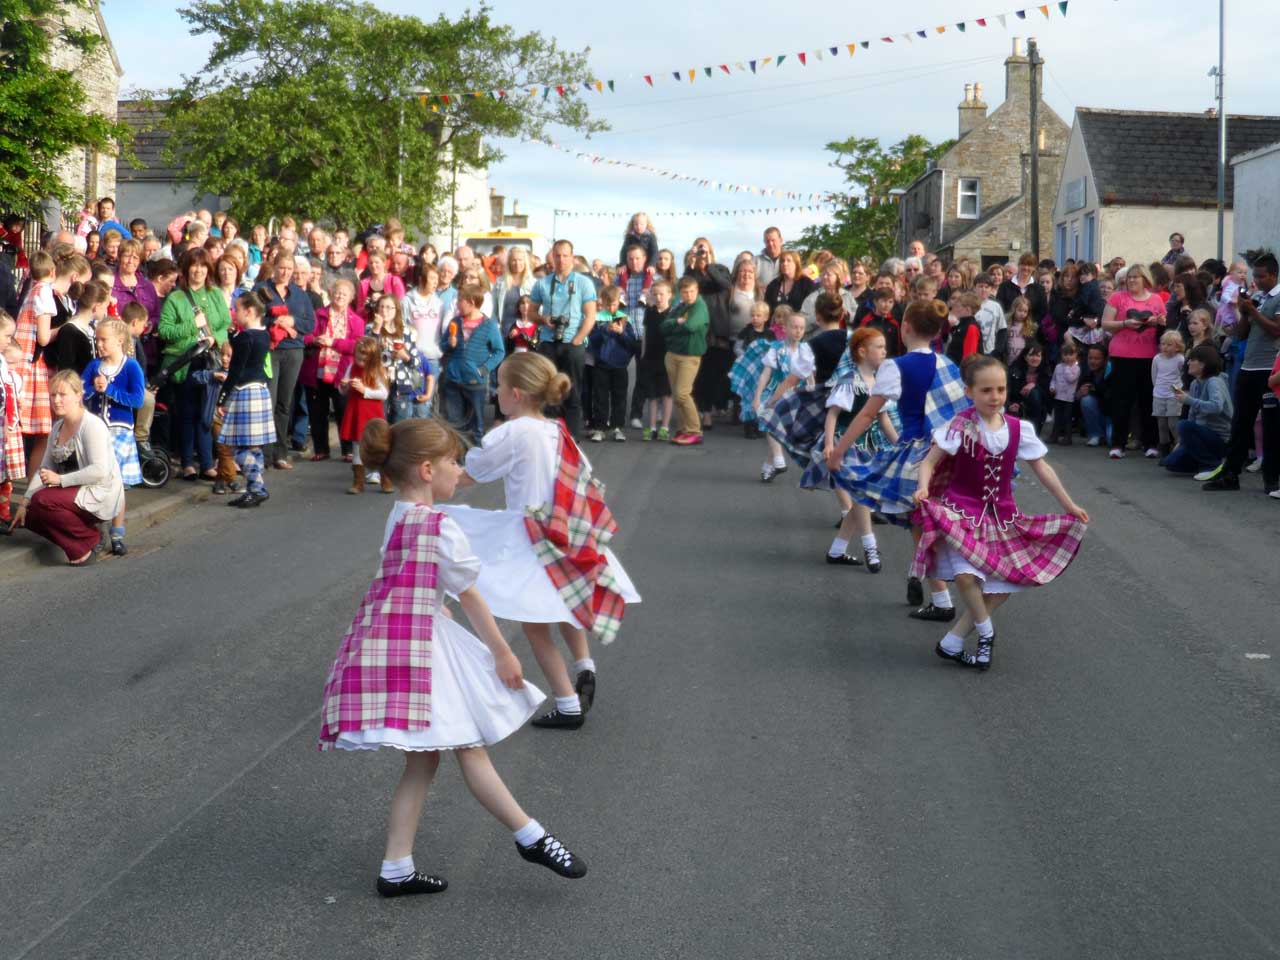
(23, 549)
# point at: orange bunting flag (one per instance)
(941, 29)
(1044, 10)
(599, 87)
(851, 47)
(692, 73)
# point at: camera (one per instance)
(559, 325)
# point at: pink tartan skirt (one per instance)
(1026, 552)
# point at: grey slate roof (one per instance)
(1165, 159)
(148, 143)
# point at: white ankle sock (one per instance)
(984, 628)
(529, 834)
(779, 463)
(571, 705)
(952, 643)
(869, 542)
(585, 664)
(397, 870)
(838, 547)
(941, 600)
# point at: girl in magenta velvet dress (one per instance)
(972, 531)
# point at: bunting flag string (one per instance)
(805, 58)
(701, 214)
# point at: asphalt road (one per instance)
(776, 766)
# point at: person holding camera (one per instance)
(711, 389)
(566, 303)
(193, 312)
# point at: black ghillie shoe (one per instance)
(937, 614)
(981, 658)
(958, 656)
(915, 591)
(555, 720)
(844, 560)
(555, 856)
(585, 688)
(872, 557)
(414, 883)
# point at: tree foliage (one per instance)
(315, 106)
(872, 170)
(43, 112)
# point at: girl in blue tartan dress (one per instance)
(753, 342)
(850, 391)
(248, 422)
(788, 363)
(929, 392)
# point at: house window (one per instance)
(1075, 239)
(1060, 243)
(967, 201)
(1090, 237)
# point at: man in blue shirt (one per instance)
(567, 306)
(107, 218)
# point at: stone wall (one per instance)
(98, 73)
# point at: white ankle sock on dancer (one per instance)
(838, 547)
(779, 462)
(529, 834)
(584, 664)
(570, 705)
(941, 600)
(397, 870)
(952, 643)
(984, 628)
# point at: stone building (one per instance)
(153, 188)
(1132, 177)
(973, 202)
(87, 173)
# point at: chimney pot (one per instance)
(968, 93)
(515, 208)
(1017, 46)
(977, 92)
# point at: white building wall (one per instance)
(1257, 200)
(1141, 234)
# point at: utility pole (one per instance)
(1033, 54)
(1222, 129)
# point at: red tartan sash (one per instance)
(381, 677)
(570, 540)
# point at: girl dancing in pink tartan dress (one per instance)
(410, 678)
(972, 530)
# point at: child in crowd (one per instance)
(749, 348)
(614, 342)
(964, 336)
(1084, 319)
(685, 333)
(410, 396)
(472, 348)
(211, 379)
(1021, 330)
(1204, 434)
(1091, 393)
(1062, 387)
(366, 388)
(852, 389)
(929, 392)
(13, 461)
(1199, 330)
(545, 559)
(990, 316)
(32, 334)
(523, 335)
(114, 386)
(652, 366)
(882, 318)
(135, 318)
(248, 423)
(972, 530)
(785, 364)
(1028, 393)
(72, 346)
(420, 682)
(1166, 376)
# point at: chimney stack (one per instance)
(1017, 76)
(973, 111)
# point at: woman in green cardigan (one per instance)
(194, 310)
(685, 333)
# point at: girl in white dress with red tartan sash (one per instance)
(13, 461)
(545, 558)
(971, 529)
(408, 677)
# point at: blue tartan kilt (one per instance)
(797, 422)
(817, 476)
(744, 376)
(126, 450)
(886, 481)
(249, 421)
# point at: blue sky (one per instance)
(770, 128)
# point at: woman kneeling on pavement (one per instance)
(78, 485)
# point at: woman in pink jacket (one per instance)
(329, 350)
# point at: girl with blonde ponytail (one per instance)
(537, 561)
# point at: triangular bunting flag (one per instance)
(981, 21)
(767, 60)
(692, 73)
(921, 34)
(781, 57)
(676, 74)
(802, 60)
(866, 44)
(1045, 10)
(753, 65)
(818, 54)
(586, 85)
(707, 71)
(941, 29)
(907, 37)
(434, 108)
(422, 100)
(725, 67)
(1004, 19)
(546, 92)
(887, 39)
(835, 51)
(740, 67)
(1062, 5)
(960, 27)
(851, 47)
(648, 78)
(560, 90)
(1020, 14)
(611, 86)
(600, 86)
(444, 97)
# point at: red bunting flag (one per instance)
(444, 97)
(981, 21)
(802, 61)
(724, 67)
(648, 78)
(887, 39)
(560, 90)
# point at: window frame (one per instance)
(975, 193)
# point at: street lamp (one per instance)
(1216, 73)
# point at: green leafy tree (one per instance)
(43, 112)
(871, 170)
(324, 107)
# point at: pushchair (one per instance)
(153, 457)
